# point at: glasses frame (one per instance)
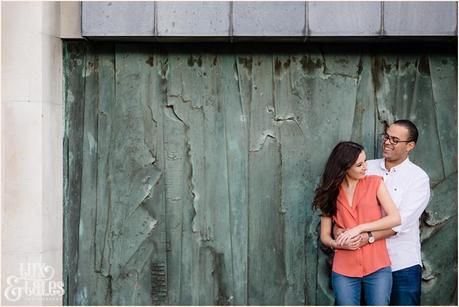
(384, 137)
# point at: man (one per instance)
(409, 187)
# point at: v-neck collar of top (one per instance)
(358, 193)
(382, 164)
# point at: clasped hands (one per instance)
(350, 239)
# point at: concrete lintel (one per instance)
(197, 20)
(420, 18)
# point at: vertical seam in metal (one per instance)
(155, 21)
(306, 31)
(456, 18)
(81, 18)
(230, 27)
(381, 26)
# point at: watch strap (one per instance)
(371, 239)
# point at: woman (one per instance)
(352, 200)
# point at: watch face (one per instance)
(371, 239)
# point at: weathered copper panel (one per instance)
(190, 170)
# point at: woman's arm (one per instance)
(392, 218)
(327, 240)
(325, 231)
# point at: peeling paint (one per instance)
(82, 297)
(150, 61)
(92, 144)
(288, 118)
(70, 98)
(81, 229)
(262, 140)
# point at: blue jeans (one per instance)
(406, 290)
(377, 288)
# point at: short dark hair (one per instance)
(412, 130)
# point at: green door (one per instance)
(190, 169)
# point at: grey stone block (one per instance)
(420, 18)
(118, 18)
(268, 18)
(216, 19)
(193, 18)
(344, 18)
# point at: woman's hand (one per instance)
(337, 231)
(351, 244)
(346, 236)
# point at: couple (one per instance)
(370, 216)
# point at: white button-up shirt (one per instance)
(409, 188)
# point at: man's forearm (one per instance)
(383, 234)
(378, 235)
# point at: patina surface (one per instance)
(190, 170)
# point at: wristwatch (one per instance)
(371, 239)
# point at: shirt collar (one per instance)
(382, 164)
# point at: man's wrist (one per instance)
(364, 240)
(371, 238)
(365, 236)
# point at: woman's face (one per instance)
(359, 168)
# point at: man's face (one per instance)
(397, 153)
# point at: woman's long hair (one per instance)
(342, 157)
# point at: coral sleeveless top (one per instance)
(365, 208)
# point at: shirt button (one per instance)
(387, 174)
(395, 189)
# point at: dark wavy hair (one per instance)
(342, 157)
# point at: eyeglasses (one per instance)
(393, 140)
